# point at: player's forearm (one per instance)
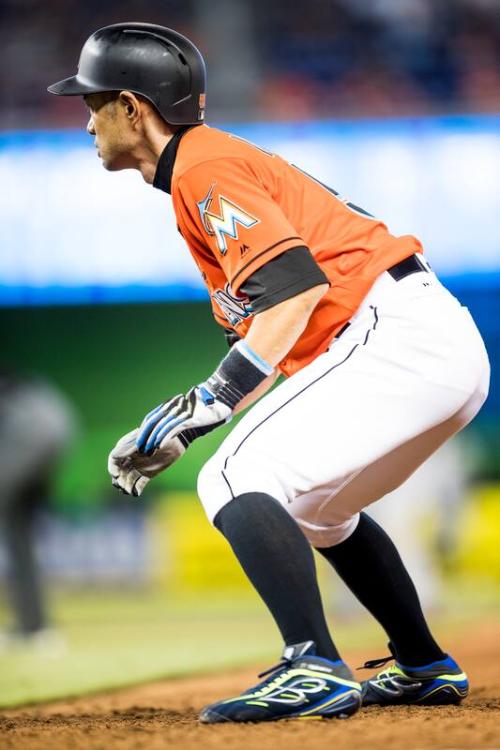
(257, 393)
(275, 331)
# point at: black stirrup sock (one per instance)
(277, 558)
(370, 565)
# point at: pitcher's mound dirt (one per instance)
(163, 715)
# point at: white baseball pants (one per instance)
(410, 371)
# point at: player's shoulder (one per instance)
(211, 148)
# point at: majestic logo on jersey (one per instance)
(234, 307)
(223, 225)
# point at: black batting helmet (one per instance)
(151, 60)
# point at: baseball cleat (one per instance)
(301, 686)
(441, 682)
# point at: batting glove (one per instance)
(131, 471)
(206, 406)
(188, 417)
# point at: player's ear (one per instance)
(130, 104)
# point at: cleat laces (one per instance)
(375, 663)
(283, 664)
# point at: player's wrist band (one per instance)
(239, 373)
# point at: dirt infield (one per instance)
(163, 714)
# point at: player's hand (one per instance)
(189, 416)
(131, 471)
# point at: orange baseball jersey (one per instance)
(239, 206)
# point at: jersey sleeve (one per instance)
(233, 215)
(289, 274)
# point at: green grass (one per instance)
(118, 639)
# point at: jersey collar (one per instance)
(163, 174)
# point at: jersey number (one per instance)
(352, 206)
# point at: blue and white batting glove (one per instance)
(206, 406)
(197, 411)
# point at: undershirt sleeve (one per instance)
(283, 277)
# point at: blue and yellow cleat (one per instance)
(301, 686)
(439, 683)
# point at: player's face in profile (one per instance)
(113, 136)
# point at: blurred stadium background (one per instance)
(393, 102)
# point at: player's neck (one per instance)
(147, 154)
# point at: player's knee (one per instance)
(329, 535)
(221, 479)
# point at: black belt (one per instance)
(404, 268)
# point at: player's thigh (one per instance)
(329, 521)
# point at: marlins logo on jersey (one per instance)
(224, 224)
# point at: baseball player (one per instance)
(381, 363)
